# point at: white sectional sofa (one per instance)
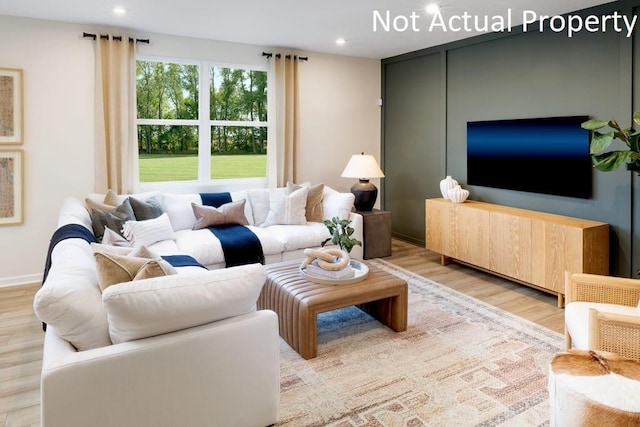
(187, 348)
(280, 242)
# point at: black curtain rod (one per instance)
(119, 38)
(278, 55)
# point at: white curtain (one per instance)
(116, 153)
(284, 133)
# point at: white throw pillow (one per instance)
(313, 210)
(259, 200)
(165, 304)
(148, 232)
(337, 204)
(244, 194)
(287, 209)
(178, 207)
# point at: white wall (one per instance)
(58, 81)
(338, 115)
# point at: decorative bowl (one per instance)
(361, 272)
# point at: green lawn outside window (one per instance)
(172, 167)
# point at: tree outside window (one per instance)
(228, 140)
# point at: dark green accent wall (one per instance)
(414, 147)
(430, 95)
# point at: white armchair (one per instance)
(602, 313)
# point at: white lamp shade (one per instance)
(362, 166)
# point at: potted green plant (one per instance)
(341, 232)
(612, 160)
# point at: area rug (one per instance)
(461, 362)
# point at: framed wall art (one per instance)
(11, 186)
(11, 122)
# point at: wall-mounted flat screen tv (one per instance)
(541, 155)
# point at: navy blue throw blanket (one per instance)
(215, 199)
(67, 231)
(239, 244)
(182, 261)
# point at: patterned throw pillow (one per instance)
(149, 231)
(287, 209)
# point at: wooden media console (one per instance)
(528, 247)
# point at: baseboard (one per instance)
(27, 279)
(409, 239)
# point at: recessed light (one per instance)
(432, 8)
(340, 41)
(119, 10)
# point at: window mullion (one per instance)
(204, 127)
(168, 122)
(169, 143)
(239, 123)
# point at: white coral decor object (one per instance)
(447, 184)
(458, 194)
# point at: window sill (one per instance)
(204, 186)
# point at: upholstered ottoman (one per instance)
(594, 389)
(298, 302)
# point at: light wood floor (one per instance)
(21, 335)
(532, 304)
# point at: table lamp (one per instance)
(364, 167)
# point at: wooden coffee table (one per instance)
(298, 302)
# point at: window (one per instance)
(188, 131)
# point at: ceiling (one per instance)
(296, 24)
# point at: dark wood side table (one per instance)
(377, 233)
